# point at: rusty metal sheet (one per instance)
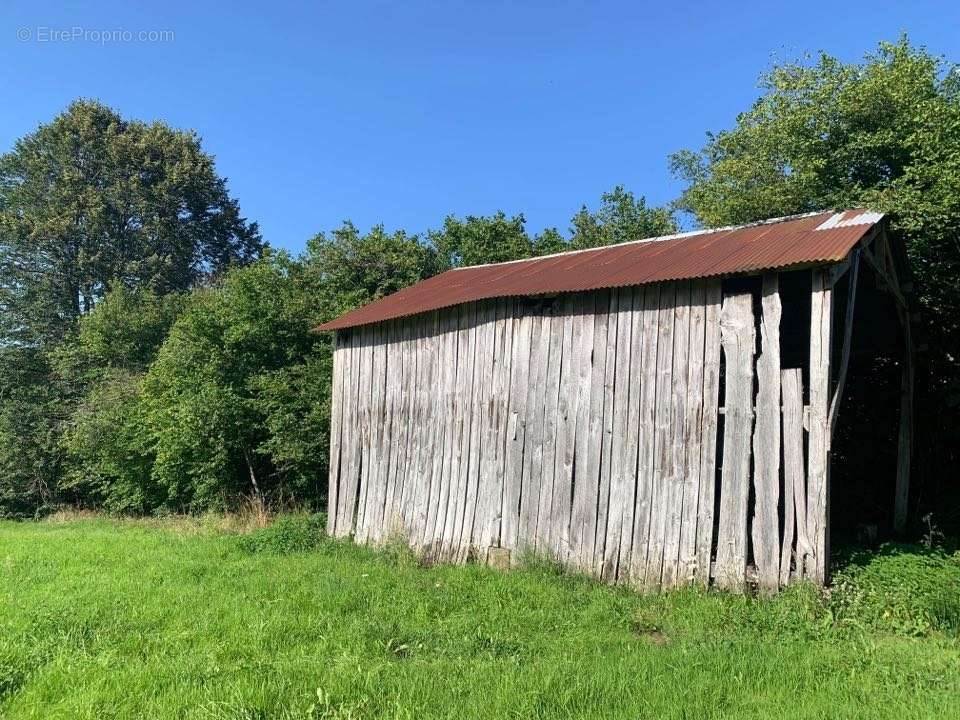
(813, 239)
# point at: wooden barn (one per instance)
(654, 413)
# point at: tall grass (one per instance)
(106, 619)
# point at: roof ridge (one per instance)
(659, 238)
(813, 239)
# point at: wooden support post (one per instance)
(739, 341)
(765, 525)
(883, 264)
(847, 336)
(818, 479)
(336, 404)
(905, 434)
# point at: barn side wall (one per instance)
(586, 428)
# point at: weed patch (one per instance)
(286, 536)
(903, 589)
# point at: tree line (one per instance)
(157, 355)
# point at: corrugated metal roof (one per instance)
(813, 239)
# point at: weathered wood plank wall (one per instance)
(584, 428)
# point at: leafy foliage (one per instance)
(348, 269)
(30, 418)
(149, 361)
(903, 589)
(108, 456)
(478, 240)
(198, 394)
(105, 224)
(126, 328)
(883, 134)
(91, 201)
(621, 218)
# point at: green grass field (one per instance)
(103, 619)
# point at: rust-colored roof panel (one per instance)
(804, 240)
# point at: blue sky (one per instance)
(401, 113)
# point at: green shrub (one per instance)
(900, 588)
(286, 536)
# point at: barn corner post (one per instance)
(336, 429)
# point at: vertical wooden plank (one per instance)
(765, 526)
(606, 454)
(437, 400)
(632, 438)
(499, 418)
(483, 364)
(487, 469)
(567, 411)
(407, 405)
(794, 478)
(363, 418)
(381, 527)
(375, 528)
(447, 377)
(559, 334)
(381, 428)
(339, 468)
(412, 482)
(427, 481)
(587, 430)
(818, 481)
(621, 474)
(533, 448)
(460, 435)
(508, 324)
(348, 497)
(516, 425)
(369, 476)
(663, 439)
(647, 415)
(708, 449)
(368, 402)
(463, 409)
(472, 449)
(693, 429)
(363, 398)
(392, 525)
(428, 478)
(336, 425)
(678, 442)
(738, 338)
